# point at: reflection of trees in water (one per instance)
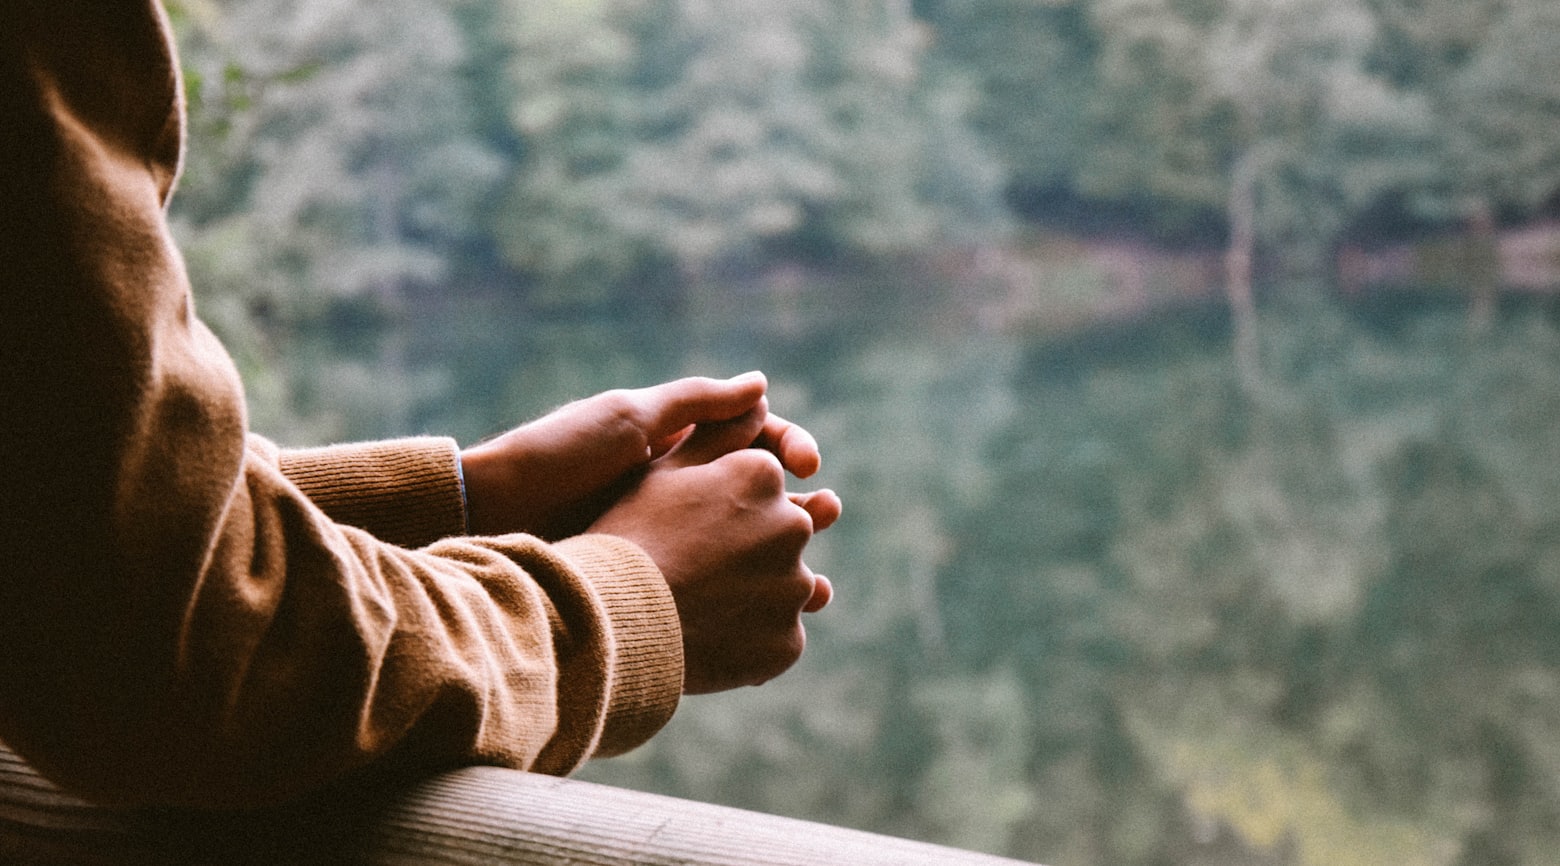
(1147, 597)
(1095, 606)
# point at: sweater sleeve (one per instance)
(180, 623)
(404, 491)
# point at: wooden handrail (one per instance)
(475, 815)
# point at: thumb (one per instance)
(671, 408)
(712, 441)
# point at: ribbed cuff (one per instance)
(647, 637)
(403, 491)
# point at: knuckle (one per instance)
(758, 460)
(622, 414)
(801, 589)
(787, 649)
(798, 523)
(788, 530)
(619, 403)
(791, 591)
(778, 656)
(762, 469)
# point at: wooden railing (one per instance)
(476, 815)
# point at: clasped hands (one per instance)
(692, 471)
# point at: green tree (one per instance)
(1295, 78)
(1031, 66)
(680, 134)
(1508, 101)
(333, 168)
(1156, 129)
(570, 66)
(1489, 131)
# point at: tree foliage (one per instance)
(335, 168)
(686, 133)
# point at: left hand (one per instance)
(554, 476)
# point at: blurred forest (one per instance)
(1190, 370)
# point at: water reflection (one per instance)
(1096, 602)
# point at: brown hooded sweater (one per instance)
(189, 615)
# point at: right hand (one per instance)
(714, 515)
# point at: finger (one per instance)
(673, 407)
(823, 593)
(823, 506)
(796, 448)
(710, 442)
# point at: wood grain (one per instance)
(477, 815)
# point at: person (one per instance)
(191, 616)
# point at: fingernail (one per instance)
(748, 376)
